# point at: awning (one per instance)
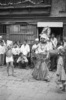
(50, 24)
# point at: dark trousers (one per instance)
(53, 61)
(2, 59)
(33, 61)
(15, 60)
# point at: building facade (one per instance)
(25, 19)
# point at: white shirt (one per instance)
(16, 51)
(25, 49)
(9, 42)
(35, 47)
(49, 46)
(2, 49)
(54, 42)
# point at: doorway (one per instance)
(56, 28)
(57, 31)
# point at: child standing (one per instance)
(61, 76)
(9, 59)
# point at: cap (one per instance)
(36, 39)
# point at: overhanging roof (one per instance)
(50, 24)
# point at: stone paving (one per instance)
(24, 87)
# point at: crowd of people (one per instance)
(44, 55)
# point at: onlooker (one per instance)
(60, 67)
(35, 46)
(16, 53)
(25, 50)
(54, 41)
(53, 57)
(34, 50)
(49, 45)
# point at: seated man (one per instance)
(54, 41)
(22, 61)
(25, 50)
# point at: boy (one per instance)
(9, 59)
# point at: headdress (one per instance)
(44, 36)
(46, 31)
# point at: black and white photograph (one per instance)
(32, 49)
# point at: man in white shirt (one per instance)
(54, 41)
(2, 52)
(16, 50)
(53, 57)
(25, 50)
(49, 45)
(64, 40)
(35, 46)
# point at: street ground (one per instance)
(24, 87)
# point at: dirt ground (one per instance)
(24, 87)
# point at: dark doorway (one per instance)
(57, 31)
